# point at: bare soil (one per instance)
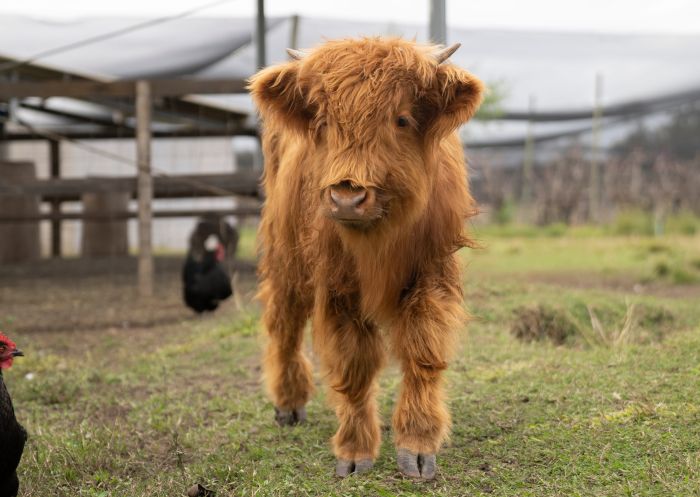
(78, 297)
(624, 283)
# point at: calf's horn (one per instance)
(296, 54)
(444, 53)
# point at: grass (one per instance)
(630, 222)
(149, 411)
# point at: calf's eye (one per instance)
(402, 121)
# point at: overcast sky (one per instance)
(623, 16)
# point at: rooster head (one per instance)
(8, 351)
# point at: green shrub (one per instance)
(555, 229)
(662, 269)
(680, 276)
(585, 231)
(657, 248)
(508, 231)
(632, 222)
(683, 223)
(505, 214)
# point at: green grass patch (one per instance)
(139, 413)
(626, 223)
(246, 242)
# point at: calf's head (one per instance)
(372, 113)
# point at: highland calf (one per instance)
(367, 198)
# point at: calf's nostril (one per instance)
(336, 197)
(358, 198)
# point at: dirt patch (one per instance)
(622, 283)
(74, 295)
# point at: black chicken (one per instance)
(12, 434)
(205, 274)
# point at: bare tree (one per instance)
(561, 189)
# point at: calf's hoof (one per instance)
(344, 468)
(416, 465)
(291, 417)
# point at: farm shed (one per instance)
(546, 80)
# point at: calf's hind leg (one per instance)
(287, 371)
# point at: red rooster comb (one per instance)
(6, 340)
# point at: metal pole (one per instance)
(55, 162)
(4, 145)
(594, 186)
(144, 187)
(294, 33)
(438, 21)
(11, 108)
(261, 56)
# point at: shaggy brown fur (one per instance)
(331, 119)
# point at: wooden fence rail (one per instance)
(173, 186)
(118, 216)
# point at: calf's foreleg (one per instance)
(287, 371)
(423, 338)
(351, 354)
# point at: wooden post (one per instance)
(594, 197)
(4, 145)
(55, 173)
(20, 241)
(107, 237)
(144, 187)
(260, 36)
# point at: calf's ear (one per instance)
(453, 99)
(277, 92)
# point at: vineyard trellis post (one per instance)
(594, 197)
(55, 172)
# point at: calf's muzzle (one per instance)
(350, 204)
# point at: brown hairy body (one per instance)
(367, 197)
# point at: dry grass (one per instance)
(613, 337)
